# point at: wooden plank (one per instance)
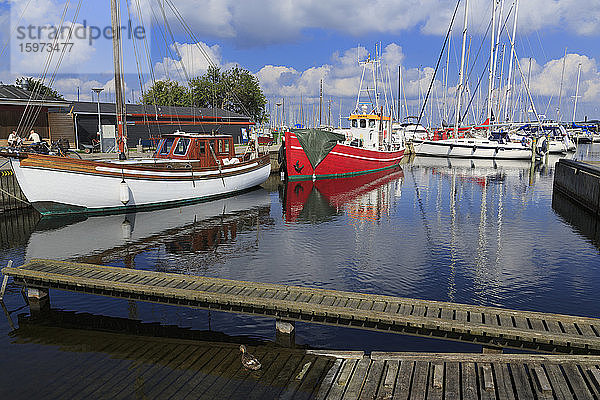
(570, 328)
(521, 322)
(486, 382)
(386, 389)
(329, 380)
(476, 317)
(448, 314)
(357, 379)
(297, 376)
(238, 375)
(269, 374)
(283, 376)
(593, 375)
(554, 381)
(503, 381)
(537, 324)
(522, 381)
(469, 381)
(506, 321)
(418, 390)
(576, 381)
(379, 306)
(341, 381)
(369, 390)
(312, 379)
(218, 366)
(405, 375)
(461, 315)
(452, 380)
(251, 378)
(436, 379)
(586, 330)
(405, 309)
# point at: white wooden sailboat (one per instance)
(185, 168)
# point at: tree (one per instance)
(35, 85)
(166, 93)
(236, 90)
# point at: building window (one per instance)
(355, 123)
(363, 123)
(371, 123)
(181, 147)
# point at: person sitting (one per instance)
(34, 137)
(13, 139)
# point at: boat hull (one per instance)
(54, 185)
(342, 160)
(469, 148)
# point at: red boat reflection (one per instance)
(357, 196)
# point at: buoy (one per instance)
(124, 192)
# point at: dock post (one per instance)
(492, 350)
(39, 299)
(285, 333)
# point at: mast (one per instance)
(510, 64)
(576, 91)
(120, 106)
(462, 68)
(562, 75)
(491, 69)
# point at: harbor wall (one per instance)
(11, 196)
(580, 182)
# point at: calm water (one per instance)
(478, 232)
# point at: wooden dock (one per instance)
(99, 364)
(489, 326)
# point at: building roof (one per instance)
(140, 110)
(14, 95)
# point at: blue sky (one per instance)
(291, 45)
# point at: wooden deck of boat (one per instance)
(476, 324)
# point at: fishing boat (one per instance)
(185, 168)
(368, 146)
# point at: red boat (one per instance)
(315, 154)
(368, 146)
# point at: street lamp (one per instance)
(97, 91)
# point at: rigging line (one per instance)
(436, 67)
(62, 55)
(149, 59)
(36, 92)
(14, 30)
(484, 70)
(197, 43)
(170, 54)
(27, 113)
(139, 70)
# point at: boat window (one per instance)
(167, 144)
(202, 146)
(363, 123)
(355, 123)
(371, 123)
(182, 146)
(225, 148)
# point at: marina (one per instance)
(238, 204)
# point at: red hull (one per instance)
(343, 160)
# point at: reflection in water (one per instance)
(200, 229)
(584, 222)
(362, 198)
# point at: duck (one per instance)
(248, 360)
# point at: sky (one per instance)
(291, 45)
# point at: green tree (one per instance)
(36, 85)
(236, 90)
(166, 93)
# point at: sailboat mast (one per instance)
(462, 68)
(562, 76)
(576, 91)
(510, 63)
(120, 107)
(491, 69)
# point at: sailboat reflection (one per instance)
(362, 198)
(189, 229)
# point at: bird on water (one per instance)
(248, 360)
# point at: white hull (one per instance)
(53, 191)
(472, 148)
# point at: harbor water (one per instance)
(480, 232)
